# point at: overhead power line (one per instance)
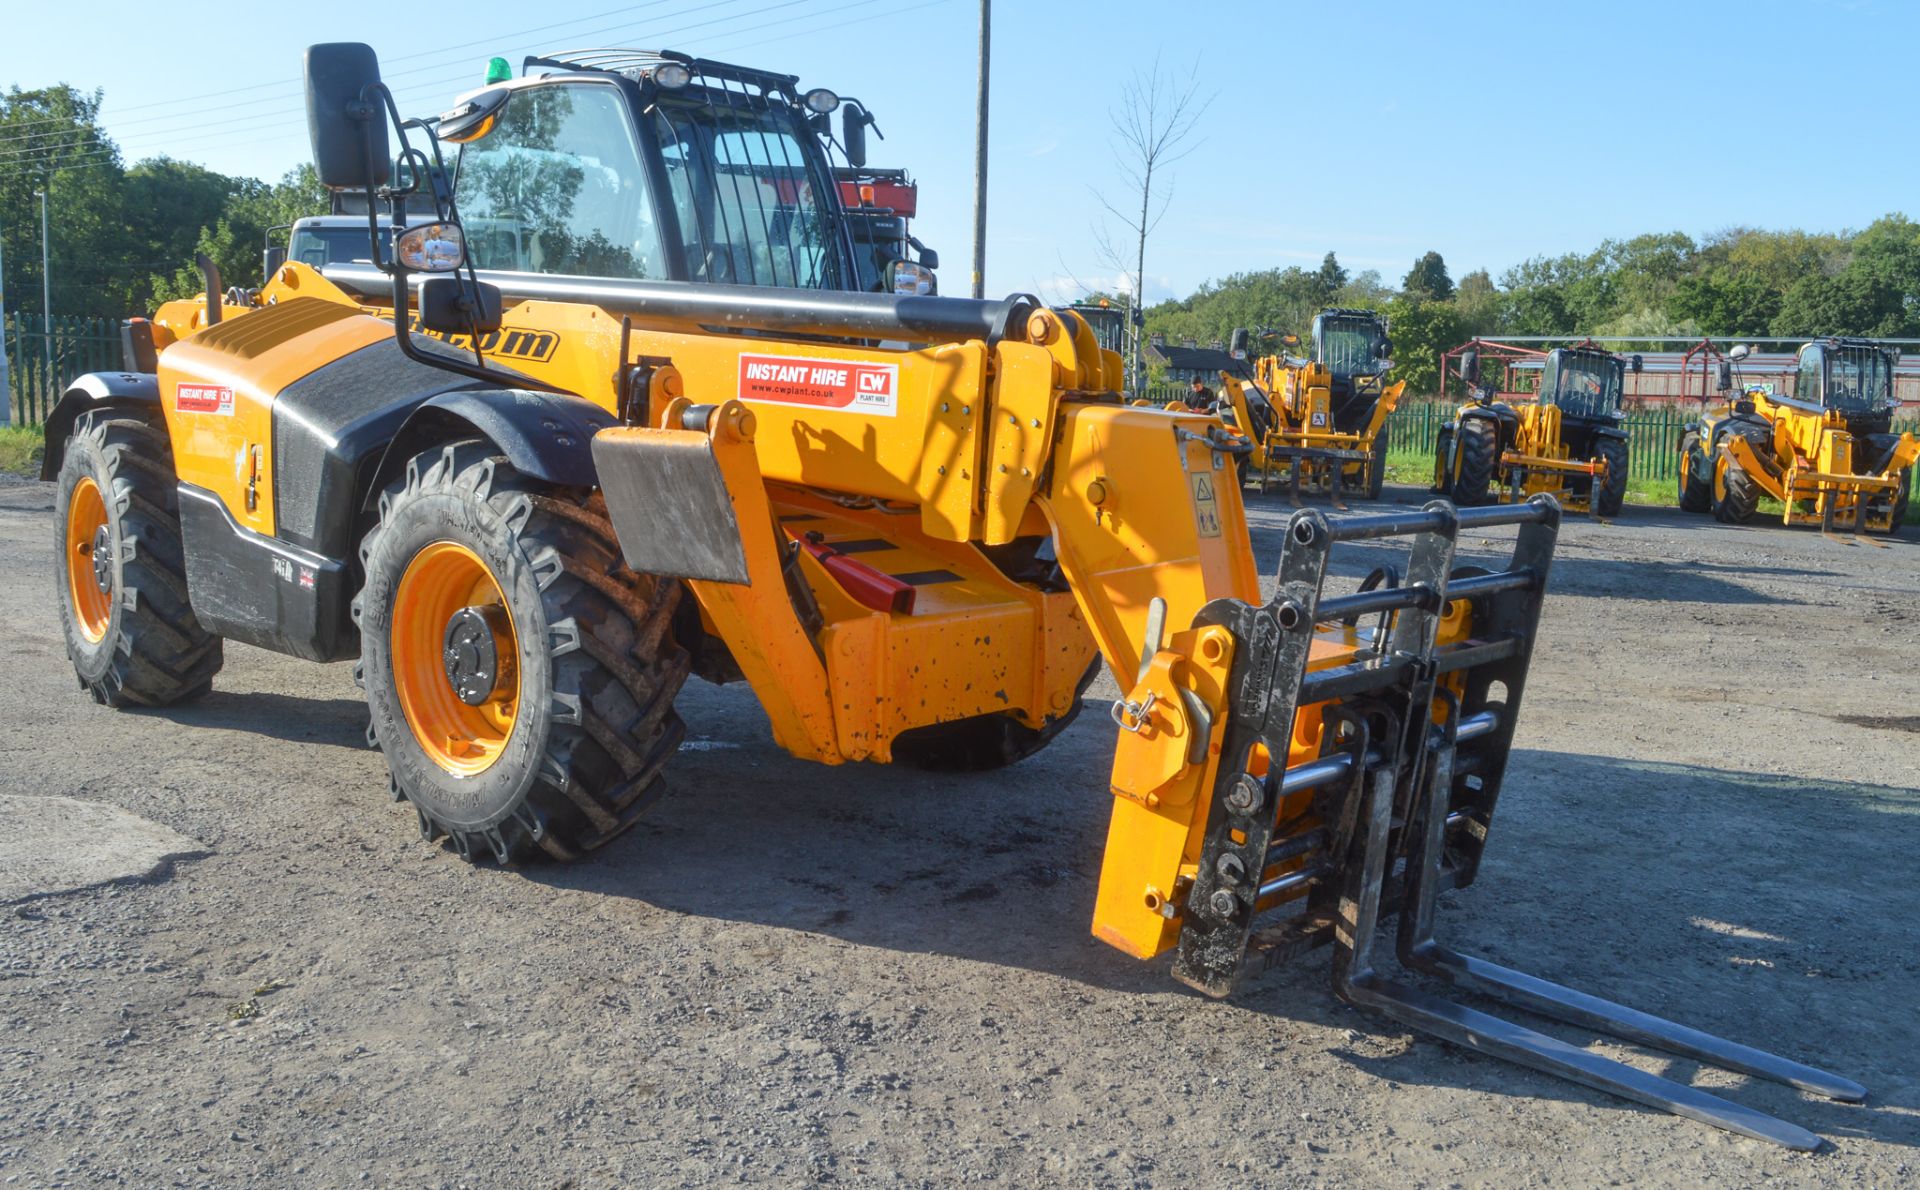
(160, 143)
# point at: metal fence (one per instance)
(42, 361)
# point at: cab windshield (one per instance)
(1859, 379)
(563, 184)
(1583, 385)
(1347, 346)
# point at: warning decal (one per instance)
(1206, 506)
(853, 385)
(204, 398)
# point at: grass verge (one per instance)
(20, 448)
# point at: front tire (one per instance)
(121, 575)
(1377, 470)
(519, 678)
(1611, 494)
(1901, 502)
(1479, 455)
(1735, 496)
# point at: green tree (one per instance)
(1725, 303)
(53, 143)
(1850, 304)
(1428, 280)
(1479, 304)
(1332, 277)
(1421, 331)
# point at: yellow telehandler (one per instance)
(1317, 420)
(1828, 453)
(1568, 442)
(638, 426)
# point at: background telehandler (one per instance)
(912, 525)
(1828, 453)
(1568, 442)
(1317, 420)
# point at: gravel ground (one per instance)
(794, 973)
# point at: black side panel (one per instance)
(252, 588)
(332, 422)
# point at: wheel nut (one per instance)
(1223, 903)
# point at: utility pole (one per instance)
(6, 388)
(980, 156)
(46, 286)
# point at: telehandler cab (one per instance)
(1568, 442)
(1828, 453)
(913, 526)
(1318, 420)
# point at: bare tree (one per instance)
(1152, 129)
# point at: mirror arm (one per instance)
(402, 303)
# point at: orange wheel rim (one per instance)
(441, 581)
(89, 576)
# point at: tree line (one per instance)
(1738, 282)
(123, 237)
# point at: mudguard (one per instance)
(91, 391)
(546, 435)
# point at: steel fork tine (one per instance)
(1356, 982)
(1420, 951)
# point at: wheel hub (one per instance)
(102, 552)
(471, 655)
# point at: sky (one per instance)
(1489, 132)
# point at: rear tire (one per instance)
(585, 664)
(1696, 478)
(130, 630)
(1479, 455)
(1611, 495)
(1735, 496)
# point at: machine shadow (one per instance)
(1663, 886)
(338, 722)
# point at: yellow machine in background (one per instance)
(912, 525)
(1317, 421)
(1827, 452)
(1568, 442)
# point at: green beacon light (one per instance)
(498, 71)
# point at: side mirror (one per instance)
(270, 262)
(1470, 366)
(928, 257)
(1638, 363)
(431, 248)
(907, 279)
(1740, 352)
(1383, 349)
(1237, 343)
(1290, 339)
(1726, 375)
(348, 127)
(853, 134)
(448, 307)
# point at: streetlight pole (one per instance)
(46, 287)
(980, 156)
